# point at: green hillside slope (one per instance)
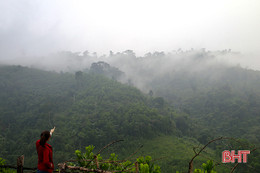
(90, 109)
(86, 109)
(221, 100)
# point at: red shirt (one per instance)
(45, 160)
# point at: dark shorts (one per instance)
(39, 171)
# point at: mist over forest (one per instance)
(163, 77)
(193, 96)
(140, 70)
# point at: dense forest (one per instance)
(85, 108)
(169, 103)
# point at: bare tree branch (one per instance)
(233, 169)
(134, 153)
(220, 138)
(196, 154)
(108, 146)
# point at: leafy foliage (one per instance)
(207, 168)
(89, 160)
(5, 170)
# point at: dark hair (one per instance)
(45, 135)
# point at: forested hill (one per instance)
(217, 101)
(218, 98)
(88, 108)
(85, 108)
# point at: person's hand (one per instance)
(52, 130)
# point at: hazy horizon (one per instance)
(32, 29)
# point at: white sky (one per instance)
(43, 26)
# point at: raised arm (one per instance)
(52, 130)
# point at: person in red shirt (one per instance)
(44, 150)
